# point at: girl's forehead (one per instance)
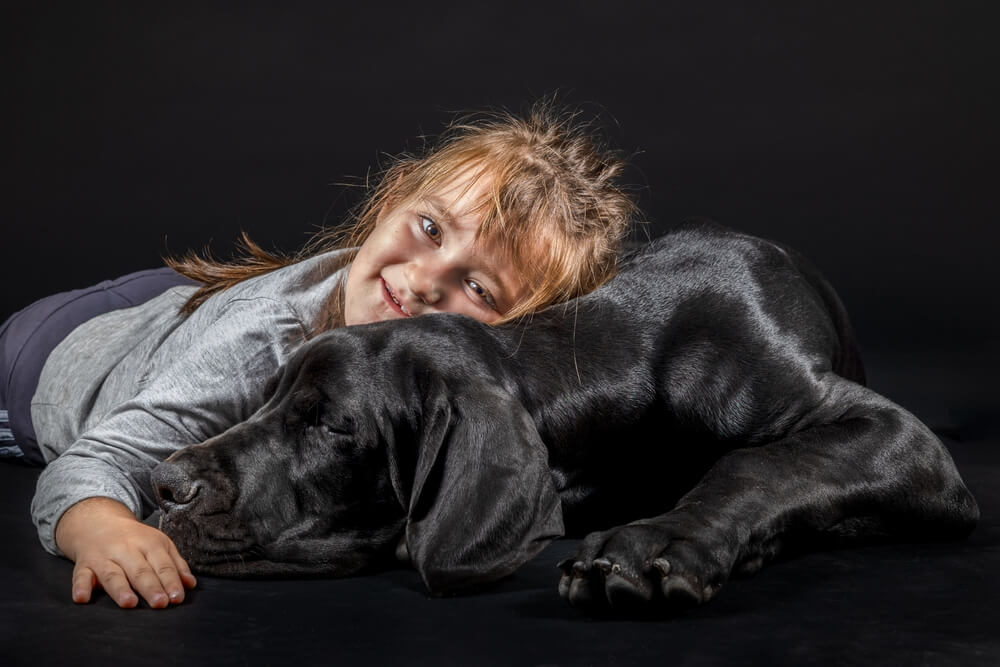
(464, 195)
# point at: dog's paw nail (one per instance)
(605, 565)
(663, 565)
(565, 583)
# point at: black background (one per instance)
(864, 134)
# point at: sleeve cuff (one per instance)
(69, 480)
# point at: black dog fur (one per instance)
(703, 411)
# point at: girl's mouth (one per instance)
(391, 299)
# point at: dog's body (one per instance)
(710, 398)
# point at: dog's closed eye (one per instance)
(337, 430)
(315, 417)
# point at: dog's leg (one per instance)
(863, 467)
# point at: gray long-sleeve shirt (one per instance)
(128, 388)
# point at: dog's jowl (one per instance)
(702, 411)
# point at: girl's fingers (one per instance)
(182, 567)
(157, 580)
(168, 576)
(160, 575)
(116, 584)
(145, 579)
(84, 581)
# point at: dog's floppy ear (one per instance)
(483, 500)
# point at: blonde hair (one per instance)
(552, 205)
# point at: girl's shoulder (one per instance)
(304, 287)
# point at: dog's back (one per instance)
(727, 275)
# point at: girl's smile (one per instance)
(393, 301)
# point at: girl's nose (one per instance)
(425, 282)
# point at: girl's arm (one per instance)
(87, 500)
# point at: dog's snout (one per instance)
(173, 485)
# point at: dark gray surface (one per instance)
(904, 604)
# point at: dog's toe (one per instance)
(624, 591)
(582, 592)
(682, 590)
(579, 583)
(573, 570)
(564, 585)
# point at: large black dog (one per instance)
(704, 410)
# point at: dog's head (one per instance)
(366, 443)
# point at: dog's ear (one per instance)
(483, 500)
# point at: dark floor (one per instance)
(911, 604)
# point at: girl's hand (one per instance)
(113, 549)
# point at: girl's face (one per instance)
(421, 258)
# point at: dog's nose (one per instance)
(173, 485)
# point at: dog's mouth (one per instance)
(222, 553)
(215, 546)
(209, 536)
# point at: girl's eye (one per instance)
(431, 229)
(483, 293)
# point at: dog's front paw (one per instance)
(641, 565)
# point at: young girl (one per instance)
(503, 217)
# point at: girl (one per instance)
(503, 217)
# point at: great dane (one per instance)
(703, 411)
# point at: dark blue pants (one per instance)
(29, 336)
